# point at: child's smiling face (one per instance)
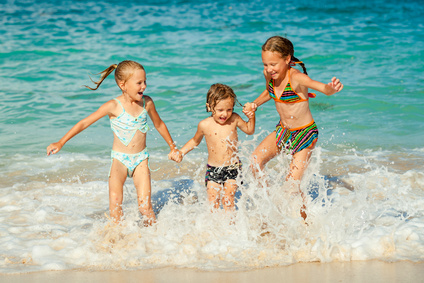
(223, 110)
(275, 65)
(136, 85)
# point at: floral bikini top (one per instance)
(288, 95)
(125, 126)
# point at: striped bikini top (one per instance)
(288, 95)
(125, 126)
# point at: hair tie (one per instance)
(293, 63)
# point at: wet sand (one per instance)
(356, 271)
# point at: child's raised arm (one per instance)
(104, 110)
(328, 89)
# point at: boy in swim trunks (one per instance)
(220, 132)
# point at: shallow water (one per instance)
(55, 223)
(365, 183)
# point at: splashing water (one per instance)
(60, 224)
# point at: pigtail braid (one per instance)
(300, 63)
(103, 76)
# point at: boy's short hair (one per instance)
(216, 93)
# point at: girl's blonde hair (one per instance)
(123, 72)
(216, 93)
(283, 46)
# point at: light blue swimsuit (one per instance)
(125, 127)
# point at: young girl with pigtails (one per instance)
(296, 132)
(128, 120)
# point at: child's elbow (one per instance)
(250, 131)
(252, 126)
(159, 124)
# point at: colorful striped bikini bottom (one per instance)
(294, 140)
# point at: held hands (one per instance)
(54, 148)
(249, 109)
(175, 155)
(336, 84)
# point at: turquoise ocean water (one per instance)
(365, 181)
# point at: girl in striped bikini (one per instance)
(296, 133)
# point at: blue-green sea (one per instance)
(365, 182)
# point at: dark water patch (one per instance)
(179, 192)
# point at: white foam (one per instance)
(50, 224)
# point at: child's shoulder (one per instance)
(296, 74)
(206, 122)
(235, 115)
(147, 102)
(112, 107)
(147, 99)
(114, 102)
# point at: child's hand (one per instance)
(175, 155)
(336, 84)
(54, 148)
(249, 109)
(178, 156)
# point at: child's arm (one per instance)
(250, 108)
(104, 110)
(194, 141)
(328, 89)
(261, 99)
(249, 126)
(160, 125)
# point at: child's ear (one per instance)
(121, 85)
(288, 59)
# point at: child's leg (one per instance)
(214, 190)
(143, 186)
(230, 188)
(299, 163)
(118, 175)
(298, 166)
(265, 151)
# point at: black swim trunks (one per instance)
(221, 174)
